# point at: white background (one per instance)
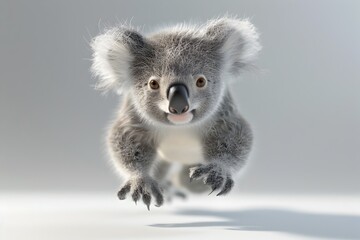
(303, 103)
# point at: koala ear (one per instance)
(113, 53)
(237, 40)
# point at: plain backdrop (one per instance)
(303, 102)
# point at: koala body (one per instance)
(176, 106)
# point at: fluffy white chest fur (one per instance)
(181, 146)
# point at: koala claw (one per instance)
(147, 200)
(136, 195)
(227, 187)
(124, 190)
(214, 176)
(143, 188)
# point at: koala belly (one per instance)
(180, 146)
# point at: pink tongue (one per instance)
(180, 118)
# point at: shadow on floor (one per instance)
(321, 225)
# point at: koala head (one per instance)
(177, 75)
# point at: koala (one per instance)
(176, 108)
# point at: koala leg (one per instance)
(226, 146)
(133, 152)
(161, 169)
(166, 173)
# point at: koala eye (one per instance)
(154, 84)
(201, 82)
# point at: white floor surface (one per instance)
(45, 216)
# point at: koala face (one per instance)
(179, 81)
(178, 75)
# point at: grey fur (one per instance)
(125, 61)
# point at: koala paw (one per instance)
(142, 188)
(213, 175)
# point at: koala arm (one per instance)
(133, 151)
(226, 146)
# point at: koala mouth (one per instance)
(180, 118)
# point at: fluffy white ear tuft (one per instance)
(111, 60)
(239, 41)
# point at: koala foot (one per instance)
(213, 175)
(142, 188)
(171, 191)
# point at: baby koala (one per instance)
(176, 106)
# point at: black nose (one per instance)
(178, 99)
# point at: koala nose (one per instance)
(178, 99)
